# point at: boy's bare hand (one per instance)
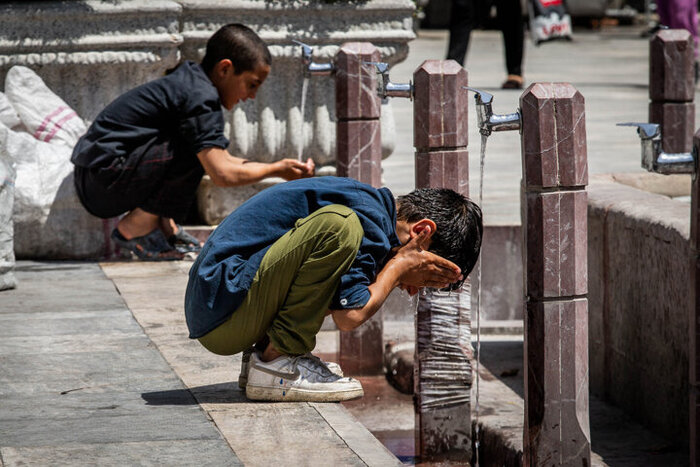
(421, 268)
(292, 169)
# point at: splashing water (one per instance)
(304, 87)
(482, 158)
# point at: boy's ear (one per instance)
(222, 66)
(421, 225)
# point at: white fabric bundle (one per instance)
(49, 220)
(7, 254)
(8, 114)
(45, 115)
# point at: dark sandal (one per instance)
(184, 242)
(513, 82)
(151, 247)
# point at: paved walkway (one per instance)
(99, 370)
(81, 383)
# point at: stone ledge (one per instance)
(667, 185)
(638, 262)
(615, 438)
(668, 218)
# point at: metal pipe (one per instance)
(653, 157)
(490, 122)
(385, 88)
(311, 68)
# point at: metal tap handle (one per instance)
(306, 50)
(482, 96)
(383, 81)
(645, 130)
(382, 68)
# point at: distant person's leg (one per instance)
(462, 21)
(686, 17)
(663, 9)
(511, 20)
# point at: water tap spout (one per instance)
(654, 159)
(488, 121)
(311, 68)
(385, 88)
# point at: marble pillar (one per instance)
(694, 315)
(359, 156)
(672, 88)
(443, 377)
(555, 176)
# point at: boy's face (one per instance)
(233, 88)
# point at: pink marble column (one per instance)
(556, 321)
(357, 107)
(671, 88)
(443, 377)
(694, 315)
(359, 156)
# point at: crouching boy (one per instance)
(294, 253)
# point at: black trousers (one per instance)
(159, 182)
(466, 16)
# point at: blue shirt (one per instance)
(226, 266)
(182, 108)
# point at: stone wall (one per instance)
(638, 260)
(91, 51)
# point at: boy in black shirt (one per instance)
(146, 152)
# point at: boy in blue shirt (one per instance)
(146, 152)
(276, 266)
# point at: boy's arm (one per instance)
(412, 267)
(227, 170)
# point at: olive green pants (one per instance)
(294, 285)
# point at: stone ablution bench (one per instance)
(89, 52)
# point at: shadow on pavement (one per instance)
(219, 393)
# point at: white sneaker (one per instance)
(245, 358)
(304, 378)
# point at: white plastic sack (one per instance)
(49, 221)
(7, 255)
(8, 114)
(45, 115)
(549, 20)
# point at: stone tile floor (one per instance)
(96, 369)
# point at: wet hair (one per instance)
(237, 43)
(458, 221)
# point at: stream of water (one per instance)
(482, 158)
(304, 87)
